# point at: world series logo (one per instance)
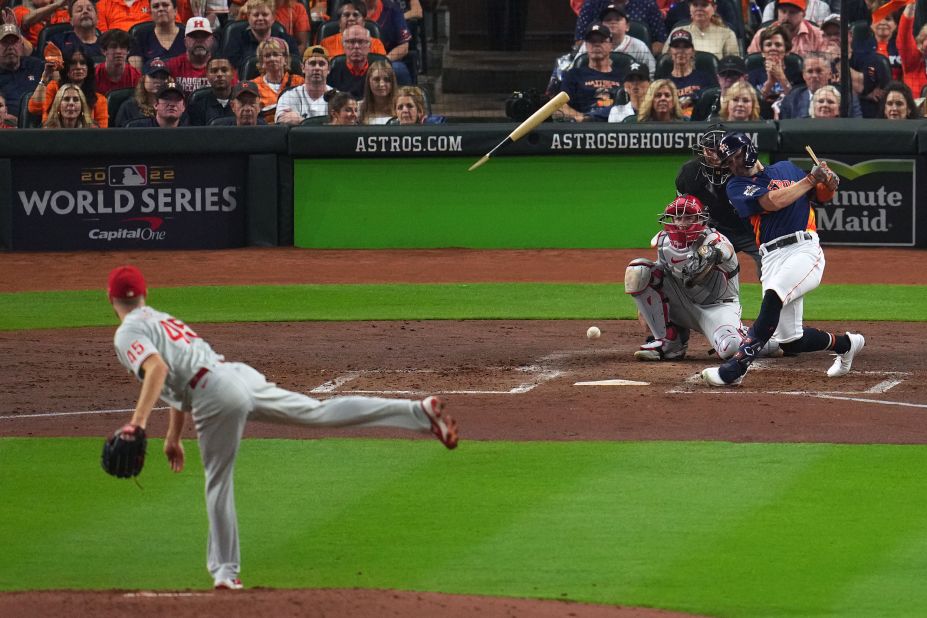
(136, 175)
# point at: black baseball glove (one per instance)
(699, 265)
(124, 452)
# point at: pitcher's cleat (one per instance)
(844, 361)
(442, 425)
(228, 584)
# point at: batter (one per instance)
(670, 302)
(177, 365)
(774, 198)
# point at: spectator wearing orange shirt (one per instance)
(36, 14)
(275, 78)
(78, 70)
(118, 14)
(350, 14)
(913, 50)
(292, 15)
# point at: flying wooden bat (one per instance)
(527, 126)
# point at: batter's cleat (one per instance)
(844, 361)
(442, 425)
(712, 377)
(228, 584)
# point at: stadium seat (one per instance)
(26, 119)
(709, 102)
(141, 28)
(704, 61)
(639, 30)
(223, 121)
(333, 27)
(115, 99)
(46, 33)
(314, 121)
(620, 60)
(249, 68)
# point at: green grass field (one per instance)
(714, 528)
(518, 301)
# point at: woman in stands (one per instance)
(410, 106)
(165, 41)
(342, 108)
(689, 81)
(708, 30)
(825, 103)
(275, 78)
(142, 103)
(661, 103)
(898, 103)
(78, 70)
(740, 103)
(294, 18)
(69, 110)
(771, 80)
(6, 120)
(380, 89)
(913, 50)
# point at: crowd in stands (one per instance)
(172, 63)
(735, 60)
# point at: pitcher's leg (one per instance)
(219, 437)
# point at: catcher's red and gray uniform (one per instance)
(672, 299)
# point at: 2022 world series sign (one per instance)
(129, 203)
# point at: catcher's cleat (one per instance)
(844, 361)
(712, 377)
(228, 584)
(661, 349)
(442, 425)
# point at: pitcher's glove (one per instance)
(699, 265)
(124, 452)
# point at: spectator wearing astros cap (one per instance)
(583, 82)
(805, 36)
(689, 81)
(169, 109)
(189, 70)
(142, 103)
(246, 105)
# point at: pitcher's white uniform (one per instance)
(222, 397)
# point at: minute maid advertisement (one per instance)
(874, 205)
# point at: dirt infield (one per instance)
(503, 379)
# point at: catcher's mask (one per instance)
(732, 143)
(706, 152)
(684, 220)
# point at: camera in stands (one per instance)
(522, 104)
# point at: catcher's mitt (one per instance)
(124, 452)
(699, 265)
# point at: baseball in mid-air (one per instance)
(593, 332)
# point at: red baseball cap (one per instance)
(126, 282)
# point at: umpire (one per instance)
(706, 178)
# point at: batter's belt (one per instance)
(784, 241)
(197, 377)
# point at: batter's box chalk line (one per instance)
(543, 370)
(892, 379)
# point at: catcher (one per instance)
(177, 365)
(693, 285)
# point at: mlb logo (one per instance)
(127, 175)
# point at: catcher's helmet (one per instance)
(684, 220)
(732, 143)
(706, 152)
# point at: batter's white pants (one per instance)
(791, 272)
(231, 394)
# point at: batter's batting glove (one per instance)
(819, 173)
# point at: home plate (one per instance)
(612, 383)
